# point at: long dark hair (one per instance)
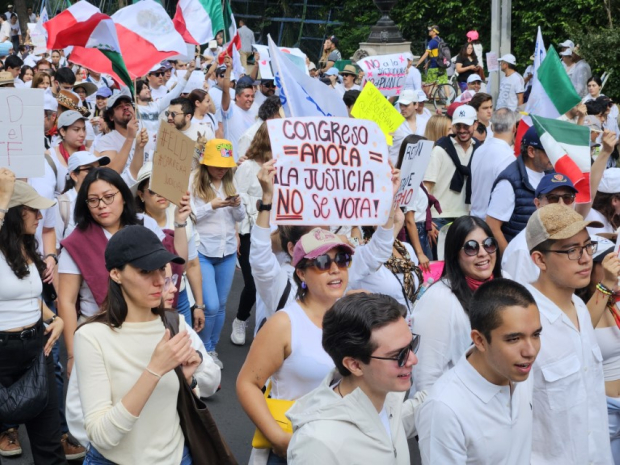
(452, 270)
(410, 139)
(602, 204)
(16, 246)
(82, 215)
(463, 52)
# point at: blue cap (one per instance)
(530, 138)
(552, 181)
(104, 92)
(331, 72)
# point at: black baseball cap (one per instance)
(139, 247)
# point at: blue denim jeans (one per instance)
(423, 236)
(60, 378)
(217, 278)
(183, 306)
(94, 457)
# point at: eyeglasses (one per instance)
(472, 247)
(174, 114)
(555, 198)
(403, 354)
(575, 253)
(324, 262)
(158, 74)
(171, 281)
(93, 202)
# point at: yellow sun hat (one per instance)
(219, 153)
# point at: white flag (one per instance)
(300, 94)
(539, 53)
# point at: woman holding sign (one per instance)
(218, 208)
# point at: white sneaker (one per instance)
(237, 336)
(216, 359)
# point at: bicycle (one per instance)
(442, 95)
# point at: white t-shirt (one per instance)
(413, 79)
(517, 261)
(19, 298)
(509, 87)
(502, 204)
(236, 122)
(418, 204)
(489, 161)
(403, 131)
(216, 95)
(158, 93)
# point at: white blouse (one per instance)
(19, 298)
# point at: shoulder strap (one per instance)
(50, 162)
(171, 321)
(64, 206)
(285, 294)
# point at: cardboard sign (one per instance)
(415, 162)
(172, 163)
(492, 63)
(373, 106)
(330, 171)
(386, 72)
(21, 123)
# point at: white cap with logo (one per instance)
(465, 114)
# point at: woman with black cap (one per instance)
(28, 329)
(125, 359)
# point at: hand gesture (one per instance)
(54, 330)
(182, 212)
(609, 140)
(171, 352)
(220, 203)
(143, 138)
(190, 366)
(132, 128)
(611, 270)
(265, 178)
(7, 184)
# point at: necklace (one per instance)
(338, 389)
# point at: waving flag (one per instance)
(300, 94)
(198, 21)
(84, 27)
(568, 148)
(230, 25)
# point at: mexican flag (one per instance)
(552, 94)
(230, 25)
(91, 32)
(198, 21)
(568, 148)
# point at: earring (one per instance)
(303, 285)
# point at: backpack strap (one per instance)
(281, 302)
(50, 162)
(64, 206)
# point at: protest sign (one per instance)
(21, 123)
(386, 72)
(172, 163)
(329, 171)
(492, 62)
(373, 106)
(264, 62)
(413, 167)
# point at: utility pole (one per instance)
(501, 34)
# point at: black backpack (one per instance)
(444, 56)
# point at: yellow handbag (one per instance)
(277, 407)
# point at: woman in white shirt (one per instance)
(606, 203)
(72, 132)
(288, 348)
(441, 315)
(251, 193)
(218, 208)
(204, 111)
(104, 205)
(126, 357)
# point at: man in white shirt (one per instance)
(480, 411)
(266, 89)
(349, 74)
(237, 116)
(215, 92)
(512, 197)
(156, 82)
(413, 79)
(483, 104)
(569, 403)
(180, 114)
(511, 87)
(408, 104)
(474, 82)
(32, 18)
(491, 159)
(270, 109)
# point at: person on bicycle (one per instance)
(434, 74)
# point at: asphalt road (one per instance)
(232, 421)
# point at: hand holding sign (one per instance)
(172, 164)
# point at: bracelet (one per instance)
(152, 372)
(4, 210)
(180, 225)
(604, 289)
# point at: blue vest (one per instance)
(516, 175)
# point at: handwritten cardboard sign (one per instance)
(415, 162)
(386, 72)
(330, 171)
(172, 163)
(21, 123)
(373, 106)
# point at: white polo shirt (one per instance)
(570, 408)
(468, 420)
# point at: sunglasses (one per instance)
(174, 114)
(403, 354)
(555, 198)
(158, 74)
(472, 247)
(271, 86)
(324, 262)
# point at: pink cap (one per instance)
(473, 35)
(316, 243)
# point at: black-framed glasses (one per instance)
(324, 262)
(403, 354)
(575, 253)
(174, 114)
(93, 202)
(472, 247)
(555, 198)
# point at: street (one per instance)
(232, 421)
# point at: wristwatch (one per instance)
(51, 320)
(263, 207)
(180, 225)
(53, 255)
(201, 307)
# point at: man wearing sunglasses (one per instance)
(357, 414)
(480, 411)
(266, 89)
(156, 82)
(569, 404)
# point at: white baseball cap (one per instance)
(408, 96)
(146, 171)
(509, 58)
(84, 157)
(568, 52)
(568, 43)
(610, 184)
(49, 102)
(465, 114)
(473, 78)
(422, 96)
(67, 118)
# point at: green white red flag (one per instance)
(198, 21)
(568, 147)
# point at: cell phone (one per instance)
(232, 197)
